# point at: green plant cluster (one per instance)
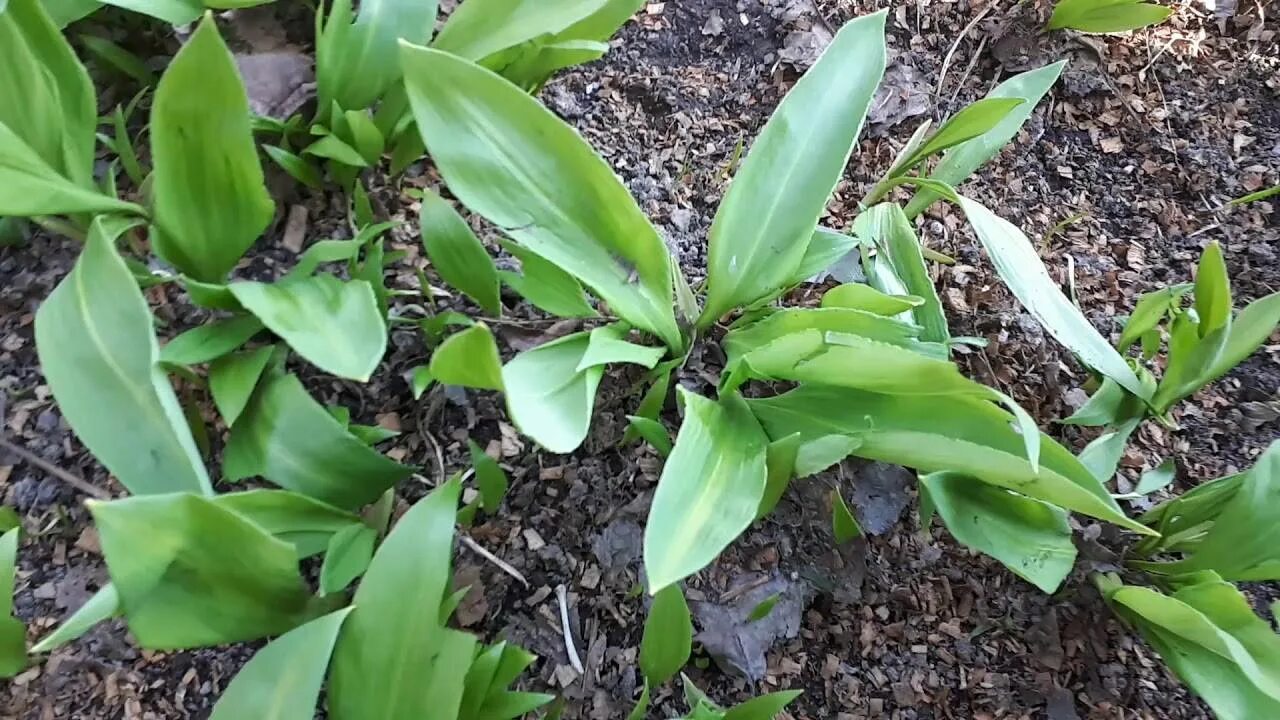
(1106, 16)
(867, 372)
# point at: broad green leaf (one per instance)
(356, 63)
(780, 467)
(65, 12)
(211, 202)
(668, 636)
(864, 297)
(546, 286)
(548, 397)
(1249, 330)
(8, 566)
(825, 248)
(359, 131)
(1240, 543)
(232, 379)
(486, 27)
(13, 634)
(1102, 456)
(334, 324)
(29, 187)
(961, 433)
(490, 478)
(765, 707)
(301, 521)
(288, 438)
(897, 240)
(761, 333)
(179, 586)
(282, 681)
(298, 167)
(102, 605)
(393, 651)
(1212, 291)
(653, 432)
(843, 524)
(821, 453)
(112, 55)
(1108, 404)
(541, 61)
(1157, 478)
(468, 359)
(1029, 537)
(1109, 16)
(974, 120)
(1020, 268)
(512, 161)
(210, 342)
(1210, 637)
(98, 352)
(486, 695)
(347, 557)
(768, 216)
(607, 346)
(709, 491)
(1149, 312)
(47, 105)
(457, 254)
(960, 161)
(332, 147)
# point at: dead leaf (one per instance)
(278, 83)
(739, 644)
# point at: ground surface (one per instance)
(906, 625)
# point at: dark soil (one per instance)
(905, 625)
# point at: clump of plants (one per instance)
(867, 372)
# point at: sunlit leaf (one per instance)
(767, 217)
(468, 359)
(709, 491)
(548, 397)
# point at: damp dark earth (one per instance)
(1121, 177)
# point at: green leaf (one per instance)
(893, 234)
(767, 217)
(350, 550)
(394, 659)
(1149, 312)
(232, 379)
(122, 60)
(289, 439)
(709, 491)
(179, 586)
(9, 518)
(335, 325)
(1029, 537)
(606, 346)
(1020, 268)
(13, 634)
(65, 12)
(825, 248)
(1249, 330)
(490, 478)
(512, 161)
(642, 705)
(1256, 196)
(487, 27)
(297, 167)
(1108, 404)
(1102, 456)
(1212, 291)
(98, 351)
(102, 605)
(8, 566)
(781, 456)
(779, 324)
(546, 286)
(1109, 16)
(653, 432)
(548, 397)
(1157, 478)
(1211, 639)
(668, 636)
(763, 608)
(960, 161)
(843, 524)
(942, 432)
(486, 696)
(864, 297)
(331, 147)
(211, 201)
(655, 398)
(282, 681)
(821, 453)
(469, 359)
(765, 707)
(973, 121)
(542, 61)
(47, 110)
(210, 342)
(305, 523)
(357, 63)
(457, 254)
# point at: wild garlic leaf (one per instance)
(211, 202)
(457, 254)
(548, 397)
(771, 209)
(232, 379)
(668, 636)
(1105, 16)
(211, 341)
(468, 358)
(98, 350)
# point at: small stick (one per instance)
(55, 471)
(466, 540)
(946, 60)
(563, 596)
